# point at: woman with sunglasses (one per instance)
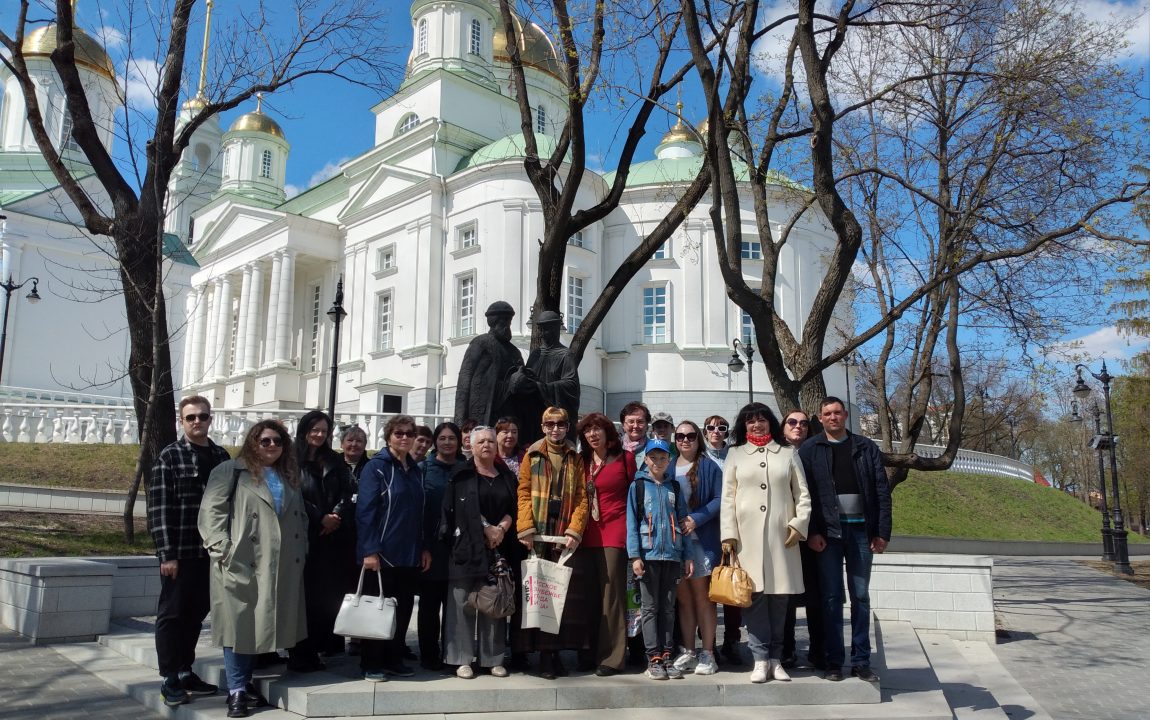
(765, 512)
(716, 438)
(553, 501)
(389, 515)
(608, 472)
(700, 481)
(254, 526)
(437, 470)
(797, 428)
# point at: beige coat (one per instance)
(764, 494)
(257, 569)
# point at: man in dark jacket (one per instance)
(175, 489)
(850, 521)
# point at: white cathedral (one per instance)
(432, 223)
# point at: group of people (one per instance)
(271, 541)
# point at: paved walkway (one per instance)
(1078, 645)
(1080, 639)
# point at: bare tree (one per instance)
(970, 153)
(557, 179)
(313, 39)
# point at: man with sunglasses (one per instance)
(177, 484)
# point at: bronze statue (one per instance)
(483, 392)
(551, 378)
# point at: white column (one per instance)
(213, 315)
(223, 329)
(284, 311)
(199, 331)
(242, 320)
(254, 303)
(273, 310)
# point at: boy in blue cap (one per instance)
(658, 553)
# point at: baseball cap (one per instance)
(662, 417)
(657, 444)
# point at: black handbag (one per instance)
(496, 598)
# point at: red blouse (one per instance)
(611, 483)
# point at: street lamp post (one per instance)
(9, 288)
(1109, 439)
(336, 314)
(1107, 536)
(735, 364)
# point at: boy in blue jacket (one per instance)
(658, 552)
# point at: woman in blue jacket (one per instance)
(701, 484)
(389, 517)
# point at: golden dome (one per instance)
(256, 121)
(535, 48)
(89, 53)
(195, 103)
(704, 126)
(679, 132)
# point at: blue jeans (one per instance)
(238, 669)
(854, 548)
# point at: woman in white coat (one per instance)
(764, 514)
(254, 526)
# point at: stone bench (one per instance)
(951, 594)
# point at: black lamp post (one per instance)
(735, 364)
(1109, 440)
(9, 288)
(336, 314)
(1107, 536)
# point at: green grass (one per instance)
(63, 535)
(84, 467)
(946, 504)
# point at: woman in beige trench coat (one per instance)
(764, 514)
(254, 527)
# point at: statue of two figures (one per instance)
(494, 382)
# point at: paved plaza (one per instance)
(1077, 646)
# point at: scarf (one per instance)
(758, 440)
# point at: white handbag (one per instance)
(371, 617)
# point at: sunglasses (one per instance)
(549, 425)
(686, 437)
(270, 441)
(717, 428)
(792, 422)
(403, 433)
(202, 417)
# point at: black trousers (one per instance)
(399, 583)
(324, 576)
(812, 600)
(184, 603)
(432, 599)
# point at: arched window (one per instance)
(541, 119)
(408, 122)
(476, 36)
(421, 43)
(226, 170)
(266, 164)
(67, 140)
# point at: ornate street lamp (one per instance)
(735, 364)
(1109, 440)
(32, 297)
(336, 314)
(1107, 536)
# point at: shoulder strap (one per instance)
(232, 496)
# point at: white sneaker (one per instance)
(707, 664)
(465, 672)
(501, 672)
(762, 671)
(778, 672)
(686, 660)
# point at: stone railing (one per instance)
(31, 422)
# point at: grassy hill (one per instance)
(989, 508)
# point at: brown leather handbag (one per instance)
(730, 583)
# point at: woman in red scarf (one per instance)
(763, 516)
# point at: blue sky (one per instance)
(329, 121)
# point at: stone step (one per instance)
(1011, 696)
(965, 692)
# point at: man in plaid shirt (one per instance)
(179, 477)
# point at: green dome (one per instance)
(506, 148)
(667, 171)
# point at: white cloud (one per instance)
(143, 77)
(326, 172)
(110, 37)
(1134, 16)
(1104, 342)
(291, 190)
